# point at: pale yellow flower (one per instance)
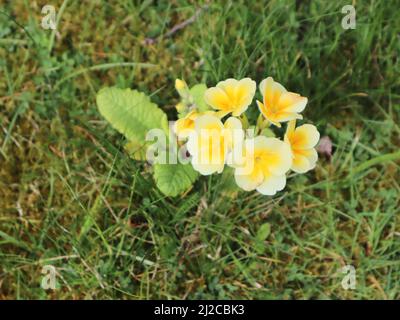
(211, 141)
(266, 161)
(231, 95)
(302, 141)
(184, 126)
(278, 104)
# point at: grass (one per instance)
(72, 198)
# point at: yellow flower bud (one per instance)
(180, 85)
(180, 107)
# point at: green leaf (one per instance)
(263, 232)
(197, 93)
(131, 113)
(173, 179)
(136, 150)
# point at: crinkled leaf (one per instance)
(136, 150)
(131, 113)
(173, 179)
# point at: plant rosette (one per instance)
(212, 134)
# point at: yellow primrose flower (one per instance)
(266, 161)
(278, 104)
(302, 141)
(211, 141)
(231, 95)
(185, 125)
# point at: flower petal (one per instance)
(229, 87)
(292, 102)
(184, 126)
(206, 169)
(233, 123)
(276, 154)
(233, 133)
(244, 93)
(312, 155)
(304, 160)
(249, 182)
(271, 91)
(217, 98)
(305, 137)
(272, 184)
(262, 108)
(300, 164)
(286, 116)
(290, 130)
(208, 122)
(267, 114)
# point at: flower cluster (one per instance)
(220, 134)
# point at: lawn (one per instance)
(71, 197)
